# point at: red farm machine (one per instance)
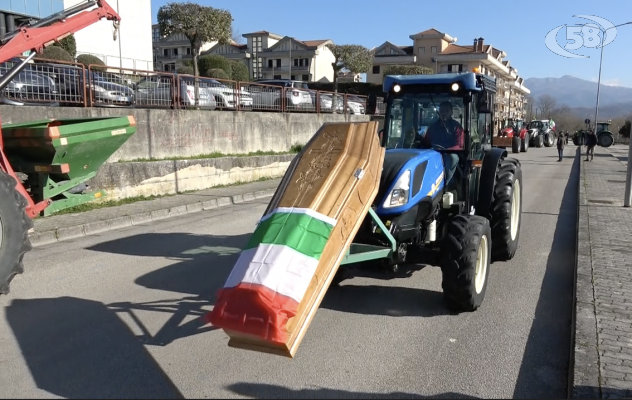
(43, 163)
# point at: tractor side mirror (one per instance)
(371, 105)
(380, 134)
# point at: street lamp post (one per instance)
(603, 31)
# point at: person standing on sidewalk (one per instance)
(560, 146)
(591, 142)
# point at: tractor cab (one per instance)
(603, 126)
(605, 137)
(436, 123)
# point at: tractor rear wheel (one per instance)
(506, 210)
(524, 145)
(539, 141)
(14, 228)
(465, 262)
(515, 144)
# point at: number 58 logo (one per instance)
(591, 35)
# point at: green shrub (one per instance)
(240, 72)
(186, 70)
(217, 74)
(69, 44)
(213, 61)
(56, 53)
(88, 59)
(297, 148)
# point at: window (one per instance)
(188, 51)
(433, 49)
(305, 78)
(296, 62)
(175, 52)
(455, 68)
(165, 52)
(376, 69)
(277, 76)
(393, 51)
(421, 50)
(278, 63)
(270, 63)
(293, 77)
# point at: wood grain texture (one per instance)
(323, 179)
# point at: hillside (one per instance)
(581, 95)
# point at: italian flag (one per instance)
(272, 274)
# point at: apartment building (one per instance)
(172, 52)
(439, 52)
(282, 57)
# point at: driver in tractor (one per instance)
(447, 133)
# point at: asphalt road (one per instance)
(116, 316)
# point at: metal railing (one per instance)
(58, 83)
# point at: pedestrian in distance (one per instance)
(591, 142)
(560, 147)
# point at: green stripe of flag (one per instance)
(299, 231)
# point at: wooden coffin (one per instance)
(335, 177)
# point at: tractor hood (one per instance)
(426, 176)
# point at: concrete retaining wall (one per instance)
(190, 133)
(131, 179)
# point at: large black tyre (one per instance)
(515, 144)
(524, 145)
(506, 210)
(14, 228)
(539, 141)
(605, 139)
(465, 262)
(547, 140)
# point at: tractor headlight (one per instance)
(399, 195)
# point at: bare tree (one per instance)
(546, 104)
(236, 36)
(200, 24)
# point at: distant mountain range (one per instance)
(581, 95)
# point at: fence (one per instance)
(57, 83)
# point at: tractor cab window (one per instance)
(602, 127)
(535, 125)
(426, 121)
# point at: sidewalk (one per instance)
(603, 330)
(67, 226)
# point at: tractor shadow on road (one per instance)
(203, 263)
(79, 349)
(545, 364)
(267, 391)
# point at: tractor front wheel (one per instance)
(515, 144)
(506, 210)
(524, 145)
(14, 228)
(466, 261)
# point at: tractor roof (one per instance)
(467, 80)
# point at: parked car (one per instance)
(267, 98)
(225, 96)
(28, 87)
(355, 105)
(161, 91)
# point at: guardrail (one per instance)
(58, 83)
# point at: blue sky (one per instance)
(517, 28)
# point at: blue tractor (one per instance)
(447, 196)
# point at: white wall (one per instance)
(134, 34)
(322, 70)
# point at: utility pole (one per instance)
(119, 40)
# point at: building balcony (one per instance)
(394, 59)
(162, 57)
(285, 69)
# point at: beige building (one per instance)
(439, 52)
(281, 57)
(171, 53)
